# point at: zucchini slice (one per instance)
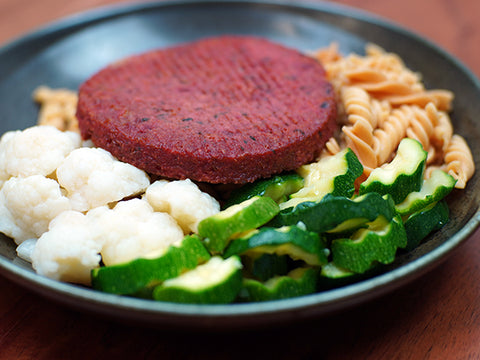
(337, 213)
(298, 282)
(265, 266)
(293, 241)
(278, 188)
(377, 243)
(332, 276)
(433, 189)
(403, 175)
(220, 228)
(218, 281)
(334, 175)
(132, 277)
(423, 222)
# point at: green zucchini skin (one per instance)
(332, 211)
(266, 266)
(421, 223)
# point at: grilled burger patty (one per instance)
(227, 109)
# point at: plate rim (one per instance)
(330, 300)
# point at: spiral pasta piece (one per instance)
(389, 136)
(380, 110)
(359, 135)
(422, 126)
(459, 161)
(443, 132)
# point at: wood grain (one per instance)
(435, 317)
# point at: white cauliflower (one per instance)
(93, 177)
(132, 229)
(68, 250)
(183, 200)
(27, 205)
(4, 141)
(37, 150)
(25, 249)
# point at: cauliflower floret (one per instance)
(67, 251)
(4, 141)
(183, 200)
(27, 205)
(37, 150)
(132, 229)
(93, 177)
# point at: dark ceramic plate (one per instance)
(66, 53)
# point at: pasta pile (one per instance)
(381, 101)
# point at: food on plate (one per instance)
(377, 186)
(217, 281)
(227, 109)
(402, 176)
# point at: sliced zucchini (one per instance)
(220, 228)
(423, 222)
(278, 188)
(403, 175)
(134, 276)
(265, 266)
(298, 282)
(433, 189)
(334, 175)
(293, 241)
(218, 281)
(332, 276)
(337, 213)
(377, 243)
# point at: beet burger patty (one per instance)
(228, 109)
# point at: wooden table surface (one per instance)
(435, 317)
